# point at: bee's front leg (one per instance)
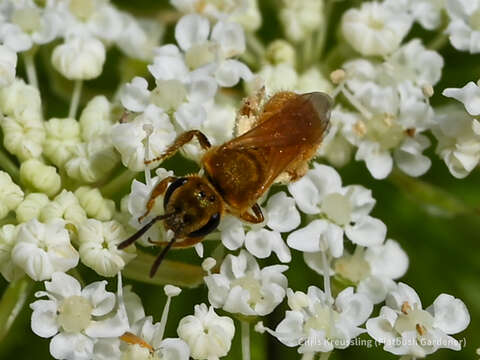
(158, 190)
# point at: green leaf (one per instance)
(12, 303)
(170, 272)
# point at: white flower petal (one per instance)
(282, 215)
(44, 318)
(368, 231)
(191, 30)
(71, 347)
(450, 314)
(232, 232)
(101, 300)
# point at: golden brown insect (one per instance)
(286, 134)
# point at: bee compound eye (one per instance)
(208, 227)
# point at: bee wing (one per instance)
(289, 137)
(303, 120)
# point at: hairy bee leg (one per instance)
(158, 190)
(181, 140)
(252, 104)
(257, 216)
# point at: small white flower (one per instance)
(464, 28)
(469, 96)
(135, 94)
(75, 318)
(79, 58)
(374, 29)
(412, 61)
(28, 24)
(315, 325)
(137, 206)
(242, 287)
(427, 13)
(343, 209)
(8, 65)
(98, 246)
(458, 141)
(300, 18)
(372, 269)
(139, 37)
(393, 112)
(42, 249)
(208, 335)
(11, 195)
(8, 236)
(406, 329)
(170, 348)
(281, 216)
(129, 138)
(278, 77)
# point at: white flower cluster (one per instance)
(187, 78)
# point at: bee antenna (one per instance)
(160, 258)
(142, 231)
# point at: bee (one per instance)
(285, 135)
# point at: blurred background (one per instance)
(435, 218)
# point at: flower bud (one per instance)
(40, 177)
(94, 204)
(79, 58)
(10, 194)
(31, 206)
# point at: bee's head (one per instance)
(195, 205)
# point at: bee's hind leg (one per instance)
(181, 140)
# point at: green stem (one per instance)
(29, 60)
(335, 57)
(12, 302)
(307, 53)
(438, 42)
(118, 183)
(321, 36)
(9, 166)
(77, 92)
(255, 45)
(325, 355)
(245, 340)
(308, 356)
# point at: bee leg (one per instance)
(181, 140)
(256, 217)
(158, 190)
